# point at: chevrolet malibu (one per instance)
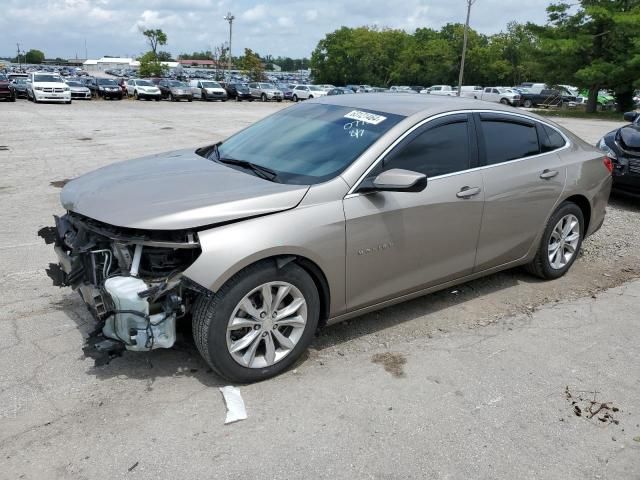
(321, 212)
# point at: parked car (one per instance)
(317, 214)
(208, 90)
(286, 89)
(471, 91)
(143, 89)
(47, 87)
(107, 89)
(20, 86)
(305, 92)
(265, 91)
(326, 86)
(239, 91)
(360, 88)
(175, 90)
(79, 90)
(533, 87)
(445, 90)
(622, 146)
(340, 91)
(417, 88)
(401, 89)
(547, 98)
(505, 96)
(7, 91)
(604, 100)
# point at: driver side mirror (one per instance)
(630, 116)
(396, 180)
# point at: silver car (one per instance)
(321, 212)
(265, 91)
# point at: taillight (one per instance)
(608, 163)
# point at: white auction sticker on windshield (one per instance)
(365, 117)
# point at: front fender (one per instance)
(315, 232)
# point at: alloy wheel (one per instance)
(563, 241)
(267, 324)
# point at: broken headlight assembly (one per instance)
(131, 281)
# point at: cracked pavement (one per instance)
(463, 385)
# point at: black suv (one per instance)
(239, 91)
(104, 87)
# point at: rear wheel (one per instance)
(258, 323)
(136, 96)
(527, 104)
(560, 243)
(171, 98)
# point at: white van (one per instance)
(471, 91)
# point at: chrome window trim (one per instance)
(352, 191)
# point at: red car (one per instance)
(6, 89)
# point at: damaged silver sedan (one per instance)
(318, 213)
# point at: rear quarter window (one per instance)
(551, 140)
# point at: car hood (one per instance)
(630, 136)
(49, 84)
(78, 89)
(215, 89)
(175, 190)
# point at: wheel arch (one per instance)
(585, 206)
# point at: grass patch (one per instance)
(568, 113)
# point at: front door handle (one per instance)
(548, 174)
(468, 192)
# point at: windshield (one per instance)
(175, 83)
(314, 88)
(106, 81)
(211, 85)
(47, 78)
(266, 86)
(144, 83)
(310, 143)
(75, 84)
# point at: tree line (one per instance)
(594, 44)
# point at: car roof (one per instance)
(410, 104)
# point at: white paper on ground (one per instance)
(235, 404)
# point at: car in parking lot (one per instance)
(239, 91)
(306, 92)
(505, 96)
(206, 90)
(79, 90)
(548, 97)
(443, 90)
(622, 146)
(7, 90)
(175, 90)
(47, 87)
(143, 89)
(318, 213)
(286, 89)
(265, 91)
(107, 89)
(340, 91)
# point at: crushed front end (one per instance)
(130, 280)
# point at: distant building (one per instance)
(198, 63)
(109, 63)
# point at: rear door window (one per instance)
(507, 138)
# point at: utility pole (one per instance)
(19, 63)
(464, 45)
(86, 55)
(229, 18)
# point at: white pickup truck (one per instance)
(503, 95)
(445, 90)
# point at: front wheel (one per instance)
(171, 98)
(295, 98)
(504, 101)
(527, 104)
(259, 323)
(263, 97)
(560, 243)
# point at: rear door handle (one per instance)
(548, 174)
(468, 192)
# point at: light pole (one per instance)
(229, 18)
(464, 45)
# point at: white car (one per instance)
(207, 90)
(47, 87)
(505, 96)
(445, 90)
(304, 92)
(401, 89)
(140, 89)
(471, 91)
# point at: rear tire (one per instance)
(527, 104)
(541, 265)
(212, 316)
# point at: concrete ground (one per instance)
(467, 383)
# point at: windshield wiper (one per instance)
(259, 170)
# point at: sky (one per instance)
(276, 27)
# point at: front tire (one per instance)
(527, 104)
(295, 98)
(263, 97)
(258, 323)
(504, 101)
(560, 243)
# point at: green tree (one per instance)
(594, 46)
(155, 38)
(150, 66)
(251, 65)
(165, 57)
(33, 56)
